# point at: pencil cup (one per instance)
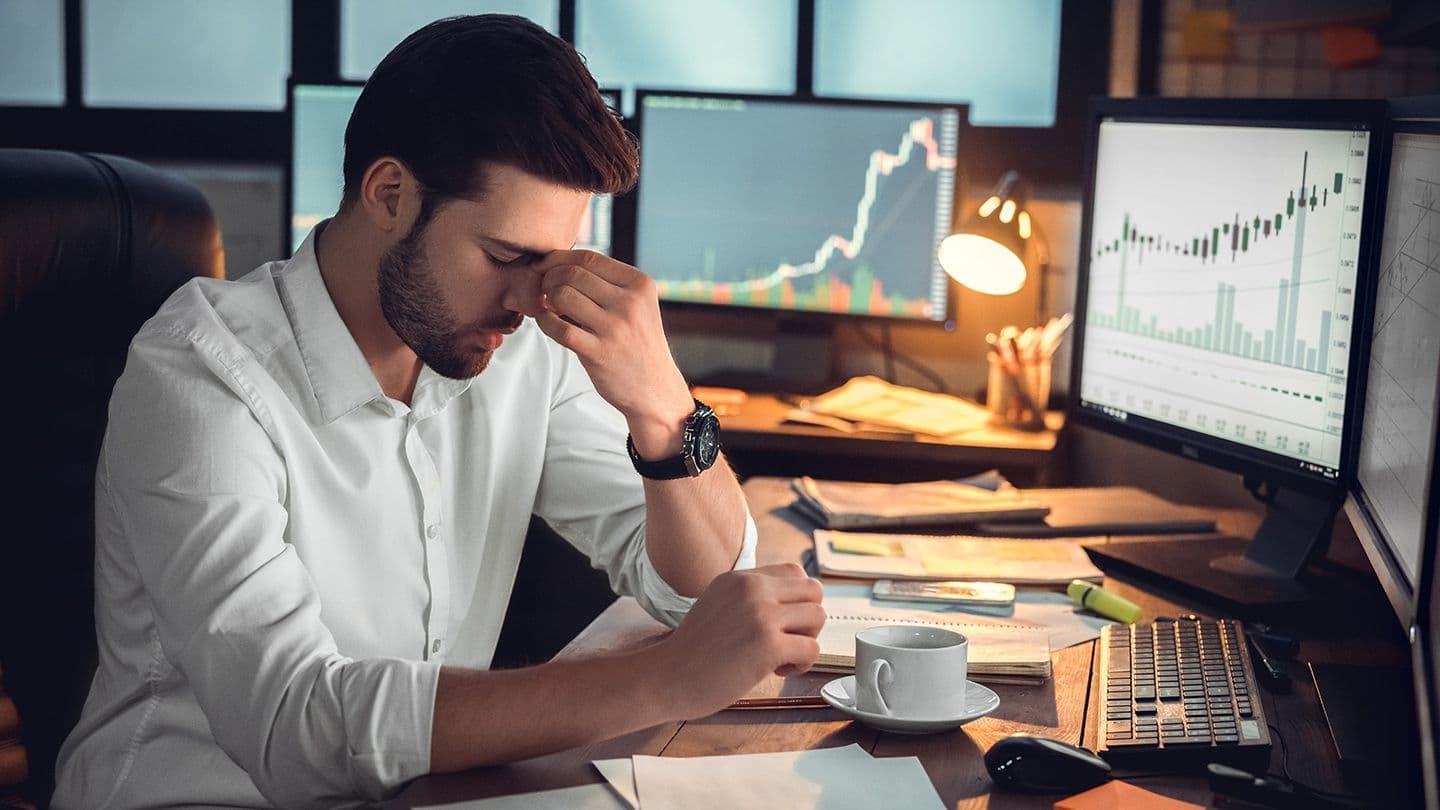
(1019, 398)
(910, 672)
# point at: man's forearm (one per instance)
(497, 716)
(694, 527)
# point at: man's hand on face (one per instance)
(746, 625)
(608, 314)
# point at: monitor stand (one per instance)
(1243, 577)
(801, 362)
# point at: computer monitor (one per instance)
(1222, 272)
(315, 181)
(1389, 495)
(1405, 551)
(826, 209)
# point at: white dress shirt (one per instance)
(285, 556)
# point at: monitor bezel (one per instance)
(1424, 624)
(287, 208)
(1277, 469)
(1390, 572)
(799, 316)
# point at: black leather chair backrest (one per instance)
(90, 246)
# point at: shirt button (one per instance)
(435, 648)
(432, 531)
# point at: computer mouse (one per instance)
(1036, 764)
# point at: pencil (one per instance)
(793, 702)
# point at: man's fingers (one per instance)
(798, 653)
(572, 305)
(781, 570)
(567, 334)
(612, 270)
(803, 618)
(584, 282)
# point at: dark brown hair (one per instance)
(465, 91)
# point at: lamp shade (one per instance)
(987, 253)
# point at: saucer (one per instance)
(980, 700)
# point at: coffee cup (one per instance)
(910, 671)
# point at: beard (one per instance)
(413, 304)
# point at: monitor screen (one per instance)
(1223, 290)
(1220, 287)
(796, 205)
(1397, 436)
(318, 115)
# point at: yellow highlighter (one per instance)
(1090, 596)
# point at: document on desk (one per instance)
(860, 505)
(1019, 561)
(1052, 611)
(1002, 649)
(823, 779)
(873, 401)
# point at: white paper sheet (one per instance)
(620, 773)
(824, 779)
(1049, 609)
(584, 797)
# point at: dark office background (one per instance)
(198, 87)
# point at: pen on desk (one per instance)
(792, 702)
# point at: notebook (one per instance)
(1019, 561)
(1001, 650)
(855, 505)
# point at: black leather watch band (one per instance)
(699, 447)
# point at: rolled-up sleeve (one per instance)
(193, 480)
(592, 496)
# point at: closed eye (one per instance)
(513, 260)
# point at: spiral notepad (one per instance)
(1000, 649)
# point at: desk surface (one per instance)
(1064, 707)
(757, 438)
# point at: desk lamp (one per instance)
(994, 251)
(996, 248)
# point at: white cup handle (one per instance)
(874, 682)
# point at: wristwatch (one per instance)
(699, 448)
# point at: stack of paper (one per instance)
(1020, 561)
(824, 779)
(1001, 650)
(870, 402)
(853, 505)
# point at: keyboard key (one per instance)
(1132, 743)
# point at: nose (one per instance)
(523, 293)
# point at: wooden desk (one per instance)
(758, 441)
(1064, 707)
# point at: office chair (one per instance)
(90, 246)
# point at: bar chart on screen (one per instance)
(1227, 252)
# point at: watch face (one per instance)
(707, 443)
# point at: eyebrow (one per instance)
(533, 253)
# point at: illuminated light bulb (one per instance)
(988, 206)
(1024, 224)
(982, 264)
(1007, 211)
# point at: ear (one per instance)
(389, 195)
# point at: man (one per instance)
(316, 481)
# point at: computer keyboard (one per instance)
(1179, 693)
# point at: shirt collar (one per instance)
(339, 374)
